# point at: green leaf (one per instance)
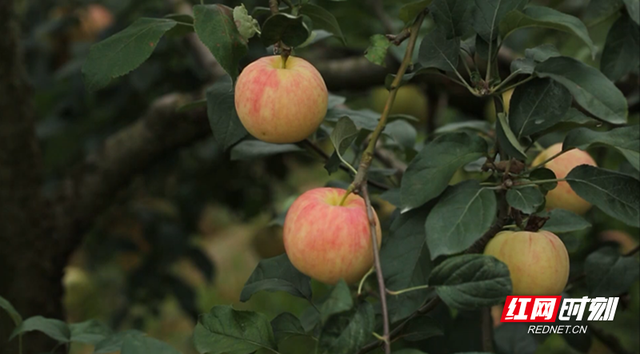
(184, 24)
(232, 331)
(11, 311)
(590, 88)
(608, 273)
(526, 199)
(216, 29)
(410, 11)
(537, 105)
(430, 171)
(546, 17)
(489, 14)
(406, 263)
(286, 325)
(343, 135)
(514, 338)
(53, 328)
(402, 132)
(436, 51)
(633, 9)
(339, 301)
(421, 328)
(621, 54)
(221, 111)
(463, 213)
(377, 50)
(144, 345)
(454, 16)
(598, 11)
(624, 139)
(124, 51)
(296, 345)
(315, 37)
(255, 149)
(561, 221)
(247, 26)
(616, 194)
(471, 281)
(508, 140)
(277, 274)
(347, 333)
(363, 118)
(114, 342)
(323, 19)
(90, 332)
(542, 174)
(289, 29)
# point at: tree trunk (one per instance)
(29, 277)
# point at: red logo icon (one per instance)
(531, 309)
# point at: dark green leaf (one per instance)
(347, 333)
(463, 213)
(323, 19)
(114, 342)
(454, 16)
(514, 338)
(232, 331)
(339, 301)
(343, 135)
(489, 14)
(402, 132)
(471, 281)
(624, 139)
(633, 9)
(315, 37)
(277, 274)
(216, 29)
(436, 51)
(421, 328)
(430, 171)
(144, 345)
(542, 52)
(599, 10)
(540, 16)
(289, 29)
(541, 174)
(508, 140)
(184, 24)
(561, 221)
(410, 11)
(11, 311)
(473, 125)
(53, 328)
(221, 111)
(575, 116)
(616, 194)
(286, 325)
(590, 88)
(124, 51)
(377, 51)
(363, 118)
(608, 273)
(537, 105)
(90, 332)
(255, 149)
(526, 199)
(621, 53)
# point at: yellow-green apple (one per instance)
(625, 242)
(490, 108)
(328, 241)
(538, 261)
(280, 103)
(409, 100)
(563, 197)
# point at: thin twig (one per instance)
(378, 266)
(487, 330)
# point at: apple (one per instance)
(92, 20)
(563, 197)
(409, 100)
(538, 261)
(328, 241)
(280, 103)
(625, 242)
(490, 108)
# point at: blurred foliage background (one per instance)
(186, 234)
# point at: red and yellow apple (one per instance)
(563, 197)
(538, 261)
(280, 103)
(328, 241)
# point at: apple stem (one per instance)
(346, 194)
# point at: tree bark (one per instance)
(27, 277)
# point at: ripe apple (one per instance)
(93, 19)
(328, 241)
(490, 108)
(278, 103)
(409, 100)
(538, 261)
(563, 197)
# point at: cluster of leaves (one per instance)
(439, 221)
